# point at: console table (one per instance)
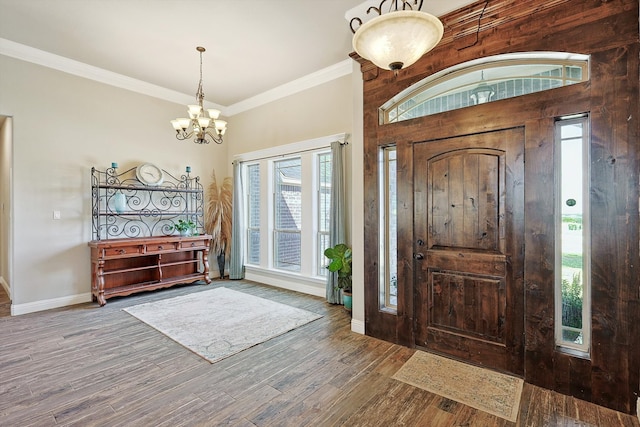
(125, 266)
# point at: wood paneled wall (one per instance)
(608, 31)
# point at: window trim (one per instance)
(485, 63)
(579, 350)
(306, 280)
(384, 288)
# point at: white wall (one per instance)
(62, 126)
(321, 111)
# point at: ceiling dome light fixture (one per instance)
(202, 126)
(398, 38)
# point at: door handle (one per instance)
(419, 255)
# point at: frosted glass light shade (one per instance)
(220, 125)
(194, 111)
(203, 122)
(397, 39)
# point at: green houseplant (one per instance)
(340, 262)
(185, 228)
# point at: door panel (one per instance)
(466, 191)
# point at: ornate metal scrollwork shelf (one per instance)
(123, 207)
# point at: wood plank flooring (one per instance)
(92, 366)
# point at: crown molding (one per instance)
(80, 69)
(317, 78)
(40, 57)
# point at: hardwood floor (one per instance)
(92, 366)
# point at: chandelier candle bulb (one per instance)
(114, 165)
(188, 169)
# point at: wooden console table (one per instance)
(125, 266)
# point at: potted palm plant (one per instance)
(340, 262)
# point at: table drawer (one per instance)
(161, 247)
(119, 251)
(194, 244)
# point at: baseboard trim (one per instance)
(357, 326)
(290, 282)
(32, 307)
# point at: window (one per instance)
(572, 292)
(486, 80)
(287, 206)
(287, 190)
(324, 210)
(388, 230)
(253, 213)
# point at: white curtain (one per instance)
(337, 232)
(236, 263)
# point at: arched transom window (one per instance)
(485, 80)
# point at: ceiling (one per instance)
(253, 46)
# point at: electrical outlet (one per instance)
(56, 214)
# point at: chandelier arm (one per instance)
(406, 4)
(182, 135)
(356, 19)
(216, 138)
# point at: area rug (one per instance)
(480, 388)
(221, 322)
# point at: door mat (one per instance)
(488, 391)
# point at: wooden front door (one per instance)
(469, 211)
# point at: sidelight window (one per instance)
(572, 281)
(388, 230)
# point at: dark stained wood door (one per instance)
(469, 210)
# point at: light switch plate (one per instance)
(56, 214)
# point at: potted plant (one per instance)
(185, 228)
(340, 257)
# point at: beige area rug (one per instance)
(483, 389)
(221, 322)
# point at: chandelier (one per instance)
(203, 126)
(398, 38)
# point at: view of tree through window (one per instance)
(388, 230)
(572, 284)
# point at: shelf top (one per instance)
(147, 240)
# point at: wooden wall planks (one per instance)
(609, 32)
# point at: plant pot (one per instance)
(347, 299)
(185, 233)
(221, 263)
